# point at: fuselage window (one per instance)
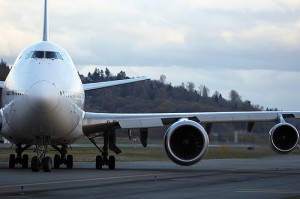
(14, 92)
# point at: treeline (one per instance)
(4, 70)
(158, 96)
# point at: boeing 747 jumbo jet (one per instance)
(43, 100)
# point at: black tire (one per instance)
(69, 162)
(25, 161)
(99, 162)
(35, 164)
(12, 161)
(56, 161)
(47, 164)
(112, 162)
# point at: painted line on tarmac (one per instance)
(267, 191)
(83, 180)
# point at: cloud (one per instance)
(148, 35)
(238, 44)
(190, 33)
(22, 39)
(267, 35)
(245, 5)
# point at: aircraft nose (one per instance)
(43, 96)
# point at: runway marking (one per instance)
(82, 180)
(267, 191)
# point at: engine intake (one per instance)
(284, 138)
(186, 142)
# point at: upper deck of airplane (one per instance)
(44, 50)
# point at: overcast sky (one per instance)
(252, 47)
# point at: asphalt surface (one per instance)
(276, 177)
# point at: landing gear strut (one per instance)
(23, 160)
(62, 158)
(41, 160)
(108, 143)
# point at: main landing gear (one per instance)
(45, 162)
(108, 143)
(63, 158)
(23, 160)
(37, 162)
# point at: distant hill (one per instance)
(157, 96)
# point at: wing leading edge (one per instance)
(98, 85)
(97, 122)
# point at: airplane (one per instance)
(43, 100)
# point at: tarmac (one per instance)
(274, 177)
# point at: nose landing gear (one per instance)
(41, 160)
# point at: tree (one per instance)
(204, 91)
(121, 75)
(220, 96)
(102, 75)
(162, 79)
(96, 75)
(4, 70)
(216, 96)
(234, 96)
(108, 74)
(190, 86)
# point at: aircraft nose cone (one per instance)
(43, 96)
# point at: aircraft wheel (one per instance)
(99, 162)
(25, 161)
(69, 161)
(47, 164)
(56, 161)
(12, 161)
(112, 162)
(35, 164)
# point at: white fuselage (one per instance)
(43, 96)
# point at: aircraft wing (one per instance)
(186, 141)
(98, 122)
(92, 86)
(1, 84)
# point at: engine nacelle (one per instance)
(186, 142)
(284, 137)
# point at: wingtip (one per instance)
(143, 78)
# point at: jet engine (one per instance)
(284, 137)
(186, 142)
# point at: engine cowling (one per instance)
(284, 137)
(186, 142)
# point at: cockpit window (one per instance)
(38, 54)
(29, 55)
(51, 55)
(46, 54)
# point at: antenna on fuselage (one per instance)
(46, 26)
